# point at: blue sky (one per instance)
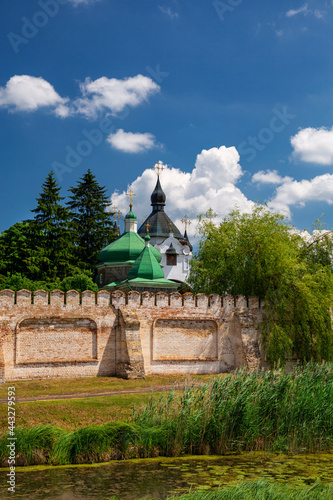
(234, 97)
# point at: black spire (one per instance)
(158, 197)
(186, 241)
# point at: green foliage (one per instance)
(94, 443)
(18, 282)
(34, 444)
(93, 226)
(261, 254)
(265, 411)
(15, 249)
(50, 234)
(59, 242)
(271, 411)
(79, 282)
(263, 490)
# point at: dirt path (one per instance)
(82, 395)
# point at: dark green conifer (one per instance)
(51, 236)
(93, 225)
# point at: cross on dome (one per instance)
(130, 195)
(118, 217)
(186, 221)
(158, 167)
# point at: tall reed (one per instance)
(271, 411)
(268, 410)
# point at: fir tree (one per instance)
(15, 249)
(51, 237)
(94, 227)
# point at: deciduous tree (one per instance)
(261, 254)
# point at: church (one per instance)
(138, 323)
(155, 257)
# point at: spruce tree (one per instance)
(51, 236)
(15, 249)
(94, 227)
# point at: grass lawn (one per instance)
(71, 414)
(86, 385)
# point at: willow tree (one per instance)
(261, 254)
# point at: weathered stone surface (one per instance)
(130, 364)
(125, 336)
(59, 339)
(185, 340)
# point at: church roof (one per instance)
(130, 214)
(171, 250)
(145, 272)
(158, 196)
(158, 223)
(146, 266)
(127, 248)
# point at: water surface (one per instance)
(159, 477)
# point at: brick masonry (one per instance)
(48, 335)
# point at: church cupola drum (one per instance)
(175, 248)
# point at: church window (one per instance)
(171, 259)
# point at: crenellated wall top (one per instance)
(118, 299)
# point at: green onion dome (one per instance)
(131, 214)
(126, 249)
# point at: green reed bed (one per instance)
(263, 490)
(33, 445)
(269, 411)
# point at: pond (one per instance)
(159, 477)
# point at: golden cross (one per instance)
(130, 195)
(186, 221)
(148, 226)
(158, 167)
(118, 217)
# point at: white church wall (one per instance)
(180, 271)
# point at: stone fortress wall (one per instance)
(49, 335)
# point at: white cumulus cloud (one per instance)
(113, 95)
(211, 184)
(130, 142)
(269, 177)
(313, 145)
(297, 193)
(28, 93)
